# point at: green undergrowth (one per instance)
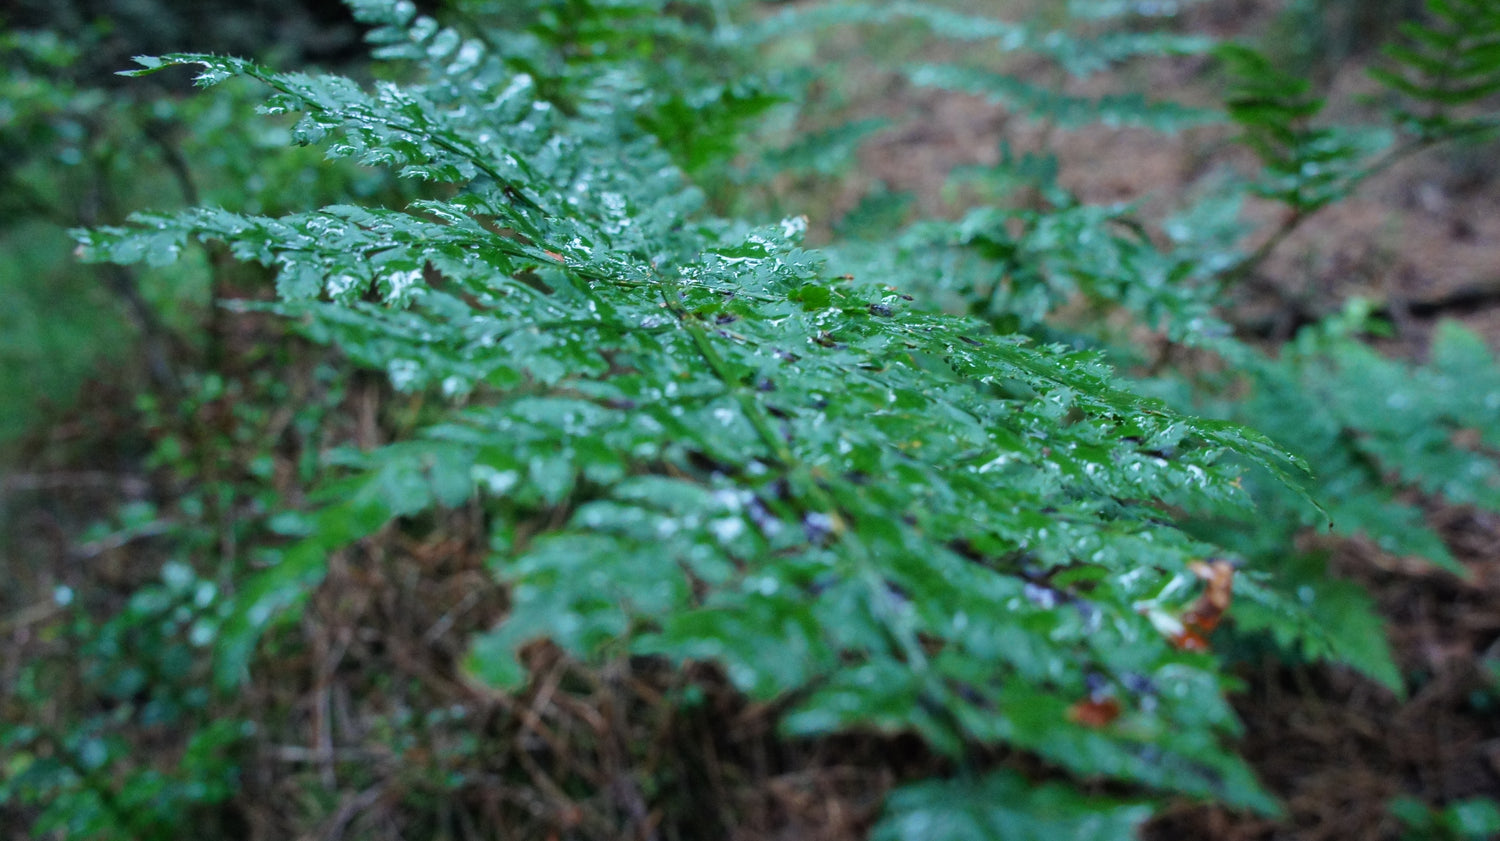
(894, 487)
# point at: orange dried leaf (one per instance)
(1094, 713)
(1189, 639)
(1204, 615)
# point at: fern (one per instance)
(1077, 55)
(698, 441)
(1445, 68)
(1018, 267)
(1039, 102)
(1444, 65)
(693, 440)
(1378, 430)
(1376, 425)
(1306, 167)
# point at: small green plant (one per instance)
(1466, 820)
(98, 687)
(83, 778)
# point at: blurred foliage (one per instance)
(1467, 820)
(1314, 38)
(78, 151)
(47, 135)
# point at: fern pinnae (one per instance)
(1444, 65)
(735, 451)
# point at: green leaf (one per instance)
(695, 439)
(1005, 805)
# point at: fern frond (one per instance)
(742, 454)
(1094, 10)
(1445, 64)
(1079, 55)
(1038, 102)
(1452, 61)
(1306, 166)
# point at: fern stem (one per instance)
(751, 409)
(903, 636)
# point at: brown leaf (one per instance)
(1094, 712)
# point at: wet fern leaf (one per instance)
(892, 518)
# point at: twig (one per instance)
(128, 484)
(350, 809)
(33, 615)
(94, 548)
